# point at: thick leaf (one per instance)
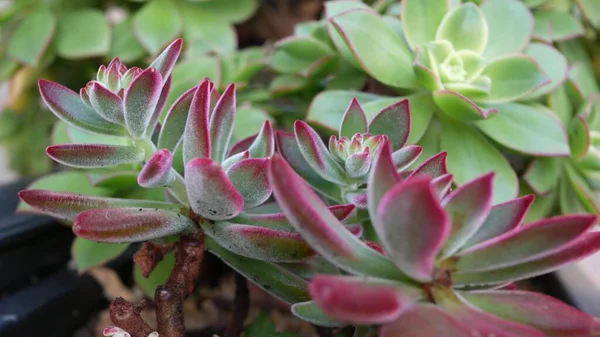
(530, 243)
(382, 177)
(106, 103)
(357, 165)
(157, 170)
(510, 25)
(556, 26)
(591, 10)
(362, 301)
(528, 129)
(171, 132)
(408, 208)
(393, 121)
(542, 174)
(66, 205)
(165, 62)
(553, 63)
(140, 100)
(123, 43)
(334, 8)
(94, 155)
(354, 120)
(31, 38)
(248, 120)
(249, 177)
(320, 228)
(364, 31)
(89, 254)
(82, 33)
(259, 243)
(221, 124)
(468, 206)
(420, 19)
(502, 218)
(196, 138)
(212, 195)
(433, 167)
(459, 106)
(514, 77)
(327, 108)
(406, 156)
(465, 27)
(67, 106)
(135, 224)
(264, 143)
(579, 137)
(311, 312)
(442, 185)
(425, 320)
(157, 24)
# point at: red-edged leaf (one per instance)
(551, 316)
(503, 218)
(358, 199)
(578, 249)
(468, 207)
(242, 145)
(528, 243)
(94, 155)
(425, 320)
(442, 184)
(317, 155)
(358, 164)
(196, 138)
(357, 300)
(311, 312)
(141, 98)
(68, 106)
(160, 106)
(265, 244)
(165, 62)
(250, 179)
(382, 177)
(157, 171)
(129, 224)
(320, 228)
(264, 143)
(221, 124)
(236, 158)
(354, 120)
(393, 121)
(173, 128)
(433, 167)
(67, 205)
(414, 226)
(406, 156)
(106, 103)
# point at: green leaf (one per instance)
(528, 129)
(32, 37)
(464, 27)
(232, 11)
(470, 155)
(513, 77)
(124, 45)
(327, 108)
(364, 31)
(421, 18)
(591, 11)
(261, 327)
(553, 63)
(559, 103)
(543, 173)
(82, 33)
(542, 205)
(583, 80)
(510, 25)
(89, 254)
(159, 275)
(459, 106)
(579, 137)
(333, 8)
(205, 32)
(311, 312)
(248, 121)
(157, 24)
(556, 26)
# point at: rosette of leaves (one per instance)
(563, 20)
(443, 262)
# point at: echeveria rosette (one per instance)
(444, 258)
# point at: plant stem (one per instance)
(241, 305)
(169, 311)
(126, 315)
(177, 188)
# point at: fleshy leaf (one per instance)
(264, 143)
(154, 127)
(157, 170)
(157, 23)
(552, 62)
(196, 138)
(358, 164)
(382, 177)
(68, 106)
(354, 120)
(362, 301)
(556, 26)
(408, 208)
(265, 244)
(89, 254)
(94, 155)
(173, 128)
(221, 124)
(133, 224)
(513, 77)
(465, 27)
(106, 103)
(140, 100)
(311, 312)
(425, 320)
(420, 19)
(459, 106)
(393, 121)
(442, 185)
(165, 62)
(406, 156)
(32, 37)
(249, 177)
(468, 206)
(212, 195)
(505, 39)
(433, 167)
(543, 174)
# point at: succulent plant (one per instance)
(443, 261)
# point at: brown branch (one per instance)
(169, 311)
(241, 305)
(126, 316)
(150, 254)
(188, 258)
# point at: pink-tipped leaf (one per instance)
(354, 120)
(160, 106)
(234, 159)
(250, 178)
(406, 156)
(358, 199)
(221, 124)
(311, 312)
(106, 103)
(196, 138)
(173, 128)
(94, 155)
(68, 106)
(165, 62)
(442, 185)
(264, 143)
(242, 145)
(382, 177)
(468, 207)
(356, 300)
(210, 192)
(425, 320)
(357, 165)
(141, 98)
(134, 224)
(393, 121)
(413, 226)
(157, 170)
(433, 167)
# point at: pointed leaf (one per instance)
(221, 124)
(460, 107)
(542, 174)
(420, 19)
(196, 138)
(406, 156)
(442, 185)
(433, 167)
(408, 208)
(311, 312)
(141, 98)
(165, 62)
(362, 301)
(129, 224)
(106, 103)
(513, 77)
(157, 170)
(89, 254)
(425, 320)
(68, 106)
(382, 177)
(173, 128)
(264, 143)
(249, 177)
(153, 126)
(393, 121)
(354, 120)
(94, 155)
(465, 27)
(211, 193)
(506, 38)
(552, 62)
